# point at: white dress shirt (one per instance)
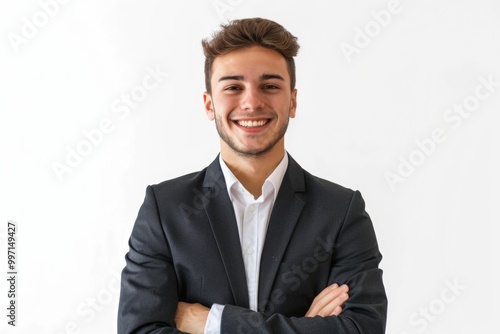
(252, 218)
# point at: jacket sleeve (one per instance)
(355, 262)
(148, 296)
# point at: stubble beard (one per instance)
(249, 153)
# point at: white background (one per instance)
(357, 117)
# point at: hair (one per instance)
(243, 33)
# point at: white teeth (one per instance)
(252, 124)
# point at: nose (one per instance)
(252, 99)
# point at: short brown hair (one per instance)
(243, 33)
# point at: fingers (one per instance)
(332, 303)
(329, 301)
(327, 291)
(337, 311)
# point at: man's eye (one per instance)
(270, 86)
(232, 88)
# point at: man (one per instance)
(252, 243)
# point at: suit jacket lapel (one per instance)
(220, 213)
(286, 212)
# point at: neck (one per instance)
(252, 171)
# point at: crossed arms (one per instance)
(164, 292)
(191, 318)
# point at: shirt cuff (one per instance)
(214, 319)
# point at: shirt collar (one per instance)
(274, 180)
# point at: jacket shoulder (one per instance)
(180, 186)
(325, 187)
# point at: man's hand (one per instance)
(329, 301)
(191, 318)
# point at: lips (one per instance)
(252, 123)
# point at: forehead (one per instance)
(250, 62)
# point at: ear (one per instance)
(209, 107)
(293, 103)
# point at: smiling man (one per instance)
(252, 243)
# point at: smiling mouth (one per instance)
(252, 124)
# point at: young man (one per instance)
(252, 243)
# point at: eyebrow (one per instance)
(232, 77)
(242, 78)
(271, 76)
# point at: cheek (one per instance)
(284, 108)
(223, 107)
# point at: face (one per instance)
(251, 100)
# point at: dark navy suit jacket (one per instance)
(185, 247)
